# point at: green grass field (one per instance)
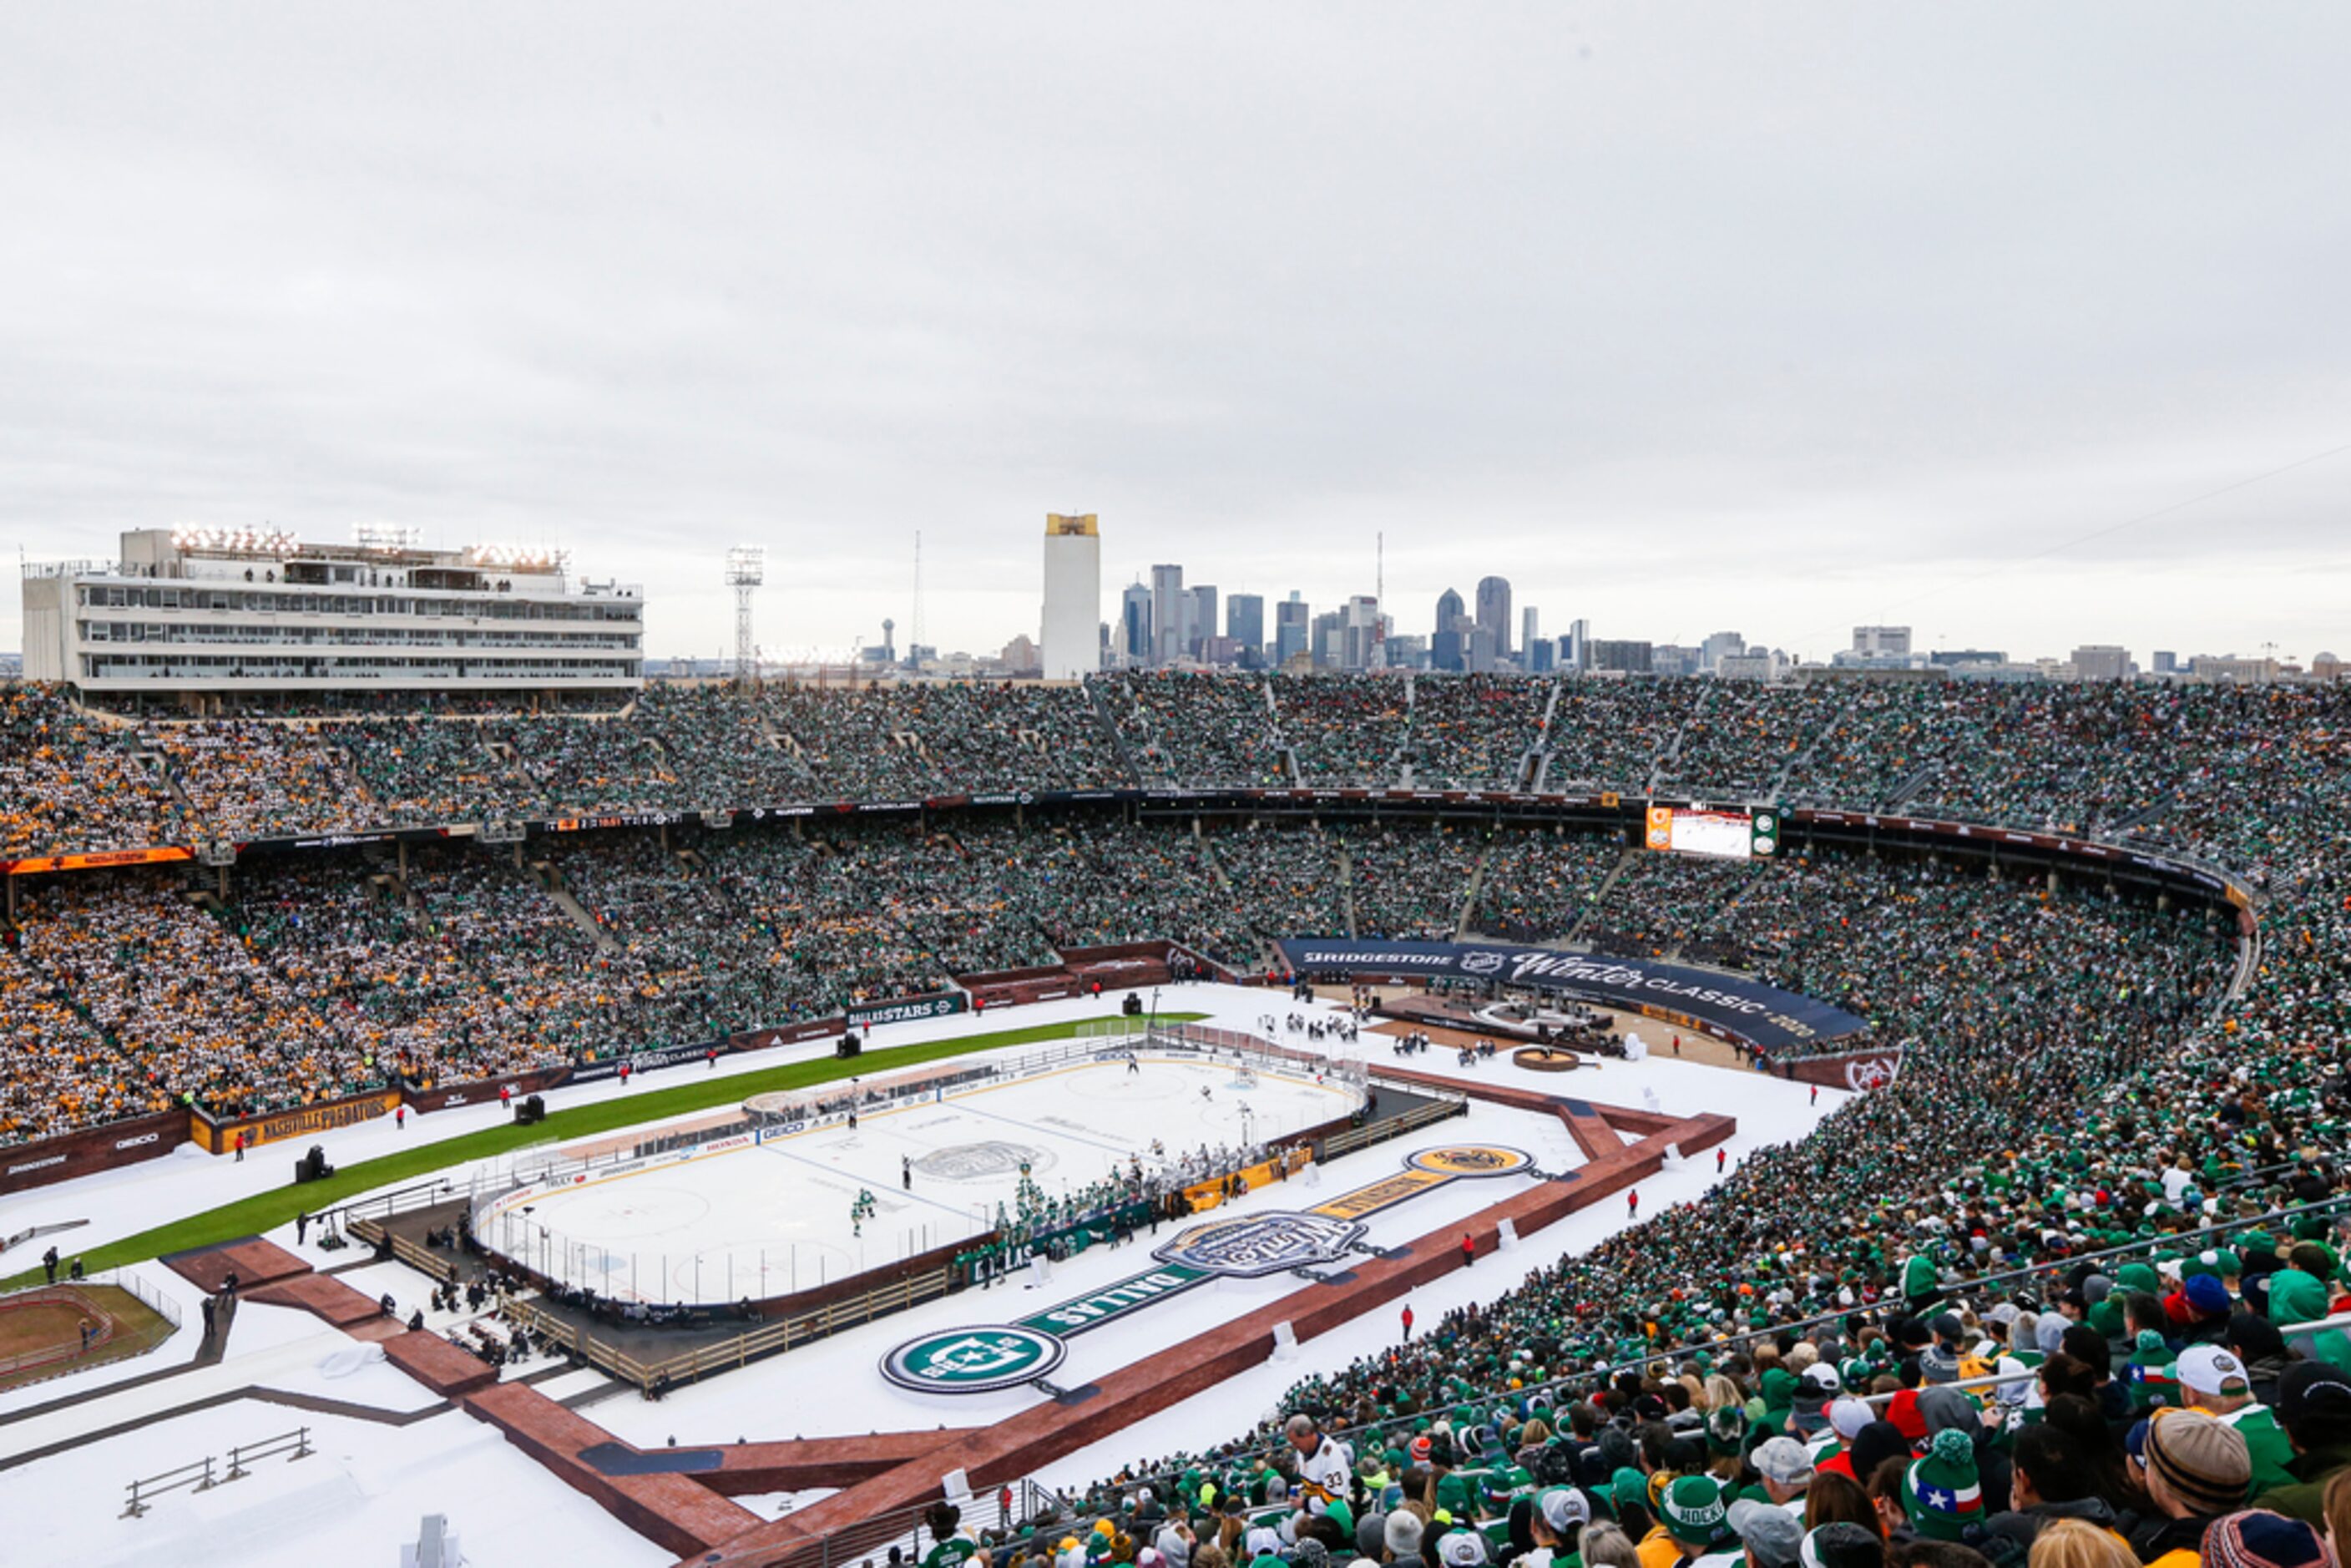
(266, 1212)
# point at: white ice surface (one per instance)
(774, 1217)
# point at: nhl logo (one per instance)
(1482, 962)
(1261, 1244)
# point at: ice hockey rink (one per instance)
(775, 1217)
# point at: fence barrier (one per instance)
(197, 1475)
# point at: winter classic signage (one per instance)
(1764, 1016)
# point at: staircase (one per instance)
(1657, 774)
(1776, 787)
(1911, 783)
(1117, 738)
(1600, 894)
(1536, 761)
(1346, 882)
(1470, 899)
(547, 878)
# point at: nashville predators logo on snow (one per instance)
(1470, 1160)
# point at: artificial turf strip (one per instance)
(268, 1210)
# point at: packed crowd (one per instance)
(1344, 730)
(1476, 732)
(2221, 770)
(2050, 1279)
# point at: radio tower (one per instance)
(747, 569)
(914, 628)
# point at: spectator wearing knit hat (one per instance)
(2198, 1472)
(1694, 1520)
(2258, 1538)
(2314, 1407)
(1941, 1493)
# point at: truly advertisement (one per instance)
(1748, 1009)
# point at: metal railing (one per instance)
(869, 1540)
(198, 1474)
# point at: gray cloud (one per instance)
(1715, 316)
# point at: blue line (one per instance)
(1045, 1132)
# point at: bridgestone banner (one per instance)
(1762, 1016)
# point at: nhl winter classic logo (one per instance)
(1260, 1244)
(973, 1361)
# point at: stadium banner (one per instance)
(791, 1034)
(1762, 1016)
(939, 1004)
(482, 1091)
(647, 1060)
(221, 1137)
(1875, 1066)
(100, 860)
(94, 1149)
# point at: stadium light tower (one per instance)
(747, 569)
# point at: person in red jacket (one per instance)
(1407, 1320)
(1468, 1251)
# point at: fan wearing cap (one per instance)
(1768, 1537)
(1557, 1525)
(1819, 1385)
(2217, 1382)
(1785, 1472)
(1847, 1416)
(2314, 1408)
(2196, 1472)
(1462, 1549)
(1841, 1545)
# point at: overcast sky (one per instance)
(1682, 318)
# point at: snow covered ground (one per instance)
(355, 1499)
(363, 1492)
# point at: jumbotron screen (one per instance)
(1726, 832)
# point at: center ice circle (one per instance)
(978, 1161)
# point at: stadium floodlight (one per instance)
(235, 541)
(388, 538)
(533, 559)
(747, 569)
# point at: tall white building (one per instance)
(1072, 621)
(250, 613)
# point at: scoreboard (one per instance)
(1723, 832)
